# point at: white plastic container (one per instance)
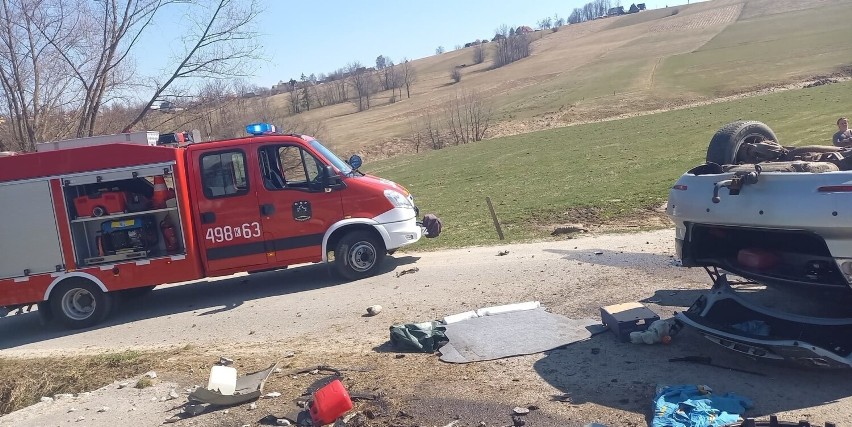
(223, 379)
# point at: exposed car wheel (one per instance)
(79, 303)
(358, 255)
(725, 145)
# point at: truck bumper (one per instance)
(400, 233)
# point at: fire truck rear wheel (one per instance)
(359, 254)
(79, 303)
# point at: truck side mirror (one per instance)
(330, 178)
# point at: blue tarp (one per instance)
(696, 406)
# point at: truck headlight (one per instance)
(398, 200)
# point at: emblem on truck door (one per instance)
(302, 210)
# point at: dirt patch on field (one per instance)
(697, 21)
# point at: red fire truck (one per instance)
(84, 219)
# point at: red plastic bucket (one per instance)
(330, 402)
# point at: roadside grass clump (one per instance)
(27, 380)
(594, 173)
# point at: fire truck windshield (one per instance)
(339, 164)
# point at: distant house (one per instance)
(641, 6)
(523, 29)
(614, 11)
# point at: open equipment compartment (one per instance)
(124, 214)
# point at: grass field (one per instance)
(763, 51)
(601, 171)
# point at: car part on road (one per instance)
(773, 422)
(816, 342)
(704, 360)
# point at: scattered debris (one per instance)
(283, 422)
(172, 395)
(821, 82)
(503, 253)
(399, 356)
(565, 398)
(452, 423)
(103, 409)
(409, 271)
(520, 410)
(517, 421)
(72, 410)
(123, 385)
(150, 374)
(569, 229)
(224, 361)
(63, 396)
(272, 395)
(80, 418)
(374, 310)
(598, 252)
(330, 403)
(249, 387)
(289, 354)
(46, 399)
(253, 406)
(194, 409)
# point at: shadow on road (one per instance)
(215, 295)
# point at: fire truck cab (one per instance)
(85, 219)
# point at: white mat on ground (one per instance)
(510, 330)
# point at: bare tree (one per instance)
(221, 45)
(409, 76)
(439, 50)
(511, 48)
(362, 82)
(34, 80)
(479, 53)
(467, 117)
(456, 74)
(576, 16)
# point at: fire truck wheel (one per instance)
(79, 303)
(358, 255)
(99, 211)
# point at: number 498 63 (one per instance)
(228, 233)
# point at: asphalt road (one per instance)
(306, 306)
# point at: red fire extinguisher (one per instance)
(169, 235)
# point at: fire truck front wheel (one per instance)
(79, 303)
(358, 254)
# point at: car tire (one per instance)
(725, 145)
(358, 255)
(79, 303)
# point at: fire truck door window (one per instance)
(301, 169)
(223, 174)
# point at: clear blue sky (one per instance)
(322, 36)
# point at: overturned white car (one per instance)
(777, 215)
(773, 215)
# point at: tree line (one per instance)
(64, 65)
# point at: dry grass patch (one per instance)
(25, 381)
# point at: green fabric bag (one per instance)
(425, 337)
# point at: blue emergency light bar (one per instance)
(260, 129)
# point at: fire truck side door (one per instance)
(229, 228)
(296, 210)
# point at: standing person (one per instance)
(843, 137)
